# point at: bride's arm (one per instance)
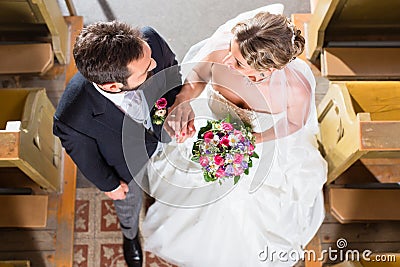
(180, 122)
(200, 75)
(281, 129)
(195, 82)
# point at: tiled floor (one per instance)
(98, 239)
(97, 234)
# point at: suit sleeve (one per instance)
(85, 153)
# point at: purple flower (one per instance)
(241, 146)
(229, 170)
(244, 165)
(229, 156)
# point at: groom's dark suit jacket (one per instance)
(106, 145)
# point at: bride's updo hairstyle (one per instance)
(268, 41)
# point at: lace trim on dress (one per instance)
(222, 107)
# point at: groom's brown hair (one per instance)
(103, 51)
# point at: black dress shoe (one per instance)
(133, 252)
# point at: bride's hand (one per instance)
(180, 120)
(258, 136)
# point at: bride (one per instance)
(249, 70)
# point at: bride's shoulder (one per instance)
(216, 56)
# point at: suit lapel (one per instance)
(104, 111)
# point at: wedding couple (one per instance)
(248, 70)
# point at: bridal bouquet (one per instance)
(224, 150)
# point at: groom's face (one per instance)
(140, 69)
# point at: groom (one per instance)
(104, 98)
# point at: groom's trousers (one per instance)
(128, 209)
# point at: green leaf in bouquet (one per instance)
(207, 177)
(250, 163)
(228, 118)
(196, 148)
(204, 129)
(246, 171)
(196, 158)
(255, 155)
(247, 126)
(236, 179)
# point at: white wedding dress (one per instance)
(264, 220)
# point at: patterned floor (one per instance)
(98, 239)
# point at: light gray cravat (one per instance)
(135, 105)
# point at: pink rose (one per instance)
(161, 103)
(238, 134)
(203, 161)
(238, 170)
(220, 172)
(238, 158)
(251, 149)
(227, 126)
(208, 136)
(224, 141)
(219, 160)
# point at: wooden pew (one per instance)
(359, 120)
(26, 138)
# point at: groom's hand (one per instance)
(119, 193)
(180, 120)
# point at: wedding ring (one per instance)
(173, 116)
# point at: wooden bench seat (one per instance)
(26, 58)
(15, 264)
(23, 210)
(35, 21)
(350, 205)
(350, 63)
